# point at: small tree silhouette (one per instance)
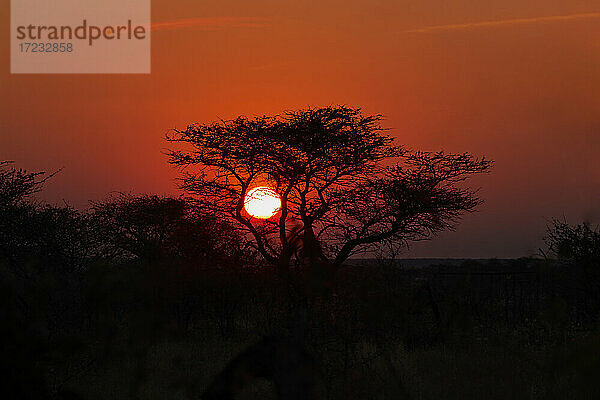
(340, 178)
(16, 184)
(580, 242)
(31, 230)
(154, 228)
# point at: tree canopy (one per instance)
(345, 186)
(155, 228)
(579, 242)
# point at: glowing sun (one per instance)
(262, 202)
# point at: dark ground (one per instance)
(469, 329)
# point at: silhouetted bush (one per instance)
(573, 242)
(153, 228)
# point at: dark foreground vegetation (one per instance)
(145, 297)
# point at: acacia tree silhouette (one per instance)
(155, 228)
(340, 177)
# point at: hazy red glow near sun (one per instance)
(262, 202)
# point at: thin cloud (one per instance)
(210, 23)
(493, 24)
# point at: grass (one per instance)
(181, 369)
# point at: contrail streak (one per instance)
(492, 24)
(210, 23)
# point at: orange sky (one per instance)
(524, 91)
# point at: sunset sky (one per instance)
(517, 81)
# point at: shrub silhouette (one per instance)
(573, 242)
